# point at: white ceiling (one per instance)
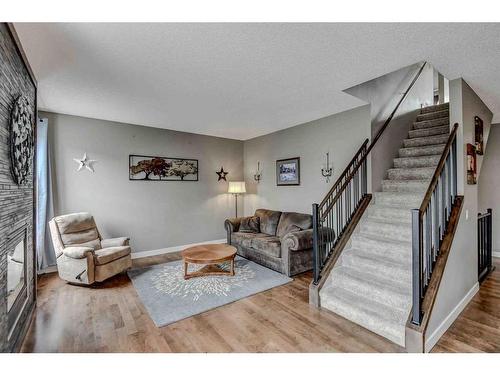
(241, 80)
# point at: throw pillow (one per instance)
(250, 224)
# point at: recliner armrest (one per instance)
(77, 252)
(113, 242)
(299, 240)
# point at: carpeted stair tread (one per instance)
(435, 108)
(426, 141)
(405, 185)
(418, 151)
(377, 264)
(427, 132)
(387, 247)
(386, 228)
(398, 199)
(431, 123)
(373, 287)
(379, 318)
(392, 213)
(418, 161)
(417, 173)
(433, 115)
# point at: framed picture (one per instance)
(158, 168)
(288, 172)
(478, 134)
(471, 164)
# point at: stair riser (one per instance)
(386, 213)
(410, 173)
(421, 151)
(431, 123)
(392, 332)
(406, 201)
(408, 186)
(435, 108)
(425, 141)
(417, 162)
(368, 291)
(433, 115)
(393, 232)
(429, 132)
(376, 268)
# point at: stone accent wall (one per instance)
(16, 202)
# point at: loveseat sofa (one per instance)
(278, 240)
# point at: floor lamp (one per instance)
(236, 188)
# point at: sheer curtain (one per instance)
(45, 210)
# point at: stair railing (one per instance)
(429, 222)
(333, 215)
(484, 244)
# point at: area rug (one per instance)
(169, 298)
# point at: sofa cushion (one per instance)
(293, 222)
(250, 224)
(244, 239)
(268, 221)
(110, 254)
(270, 245)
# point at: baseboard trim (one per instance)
(172, 249)
(49, 269)
(448, 321)
(496, 254)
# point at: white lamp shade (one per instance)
(236, 187)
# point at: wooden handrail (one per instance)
(439, 169)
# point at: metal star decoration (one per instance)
(222, 174)
(85, 162)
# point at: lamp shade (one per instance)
(236, 187)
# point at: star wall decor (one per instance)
(85, 162)
(222, 174)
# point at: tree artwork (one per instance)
(162, 169)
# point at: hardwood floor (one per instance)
(110, 318)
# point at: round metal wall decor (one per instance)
(21, 139)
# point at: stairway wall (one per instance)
(459, 282)
(383, 94)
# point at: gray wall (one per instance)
(383, 94)
(155, 215)
(489, 182)
(460, 275)
(341, 135)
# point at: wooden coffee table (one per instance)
(211, 255)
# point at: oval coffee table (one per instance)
(211, 255)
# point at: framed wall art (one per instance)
(159, 168)
(288, 172)
(478, 135)
(471, 164)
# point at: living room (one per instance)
(243, 187)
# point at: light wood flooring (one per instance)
(110, 318)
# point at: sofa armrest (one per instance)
(77, 252)
(232, 224)
(114, 242)
(300, 240)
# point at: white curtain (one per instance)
(45, 209)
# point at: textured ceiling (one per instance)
(241, 80)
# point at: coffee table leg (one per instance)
(185, 270)
(232, 267)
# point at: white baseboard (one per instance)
(447, 322)
(496, 253)
(49, 269)
(173, 249)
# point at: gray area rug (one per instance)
(169, 298)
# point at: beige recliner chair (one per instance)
(82, 256)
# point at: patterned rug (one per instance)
(169, 298)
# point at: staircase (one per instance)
(371, 283)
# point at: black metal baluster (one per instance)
(417, 266)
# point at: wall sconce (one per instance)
(258, 175)
(327, 170)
